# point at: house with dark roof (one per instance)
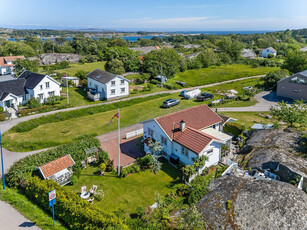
(103, 85)
(294, 87)
(266, 52)
(6, 64)
(19, 90)
(188, 134)
(58, 170)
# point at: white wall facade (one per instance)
(265, 53)
(110, 90)
(42, 91)
(212, 151)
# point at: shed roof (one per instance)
(217, 134)
(56, 166)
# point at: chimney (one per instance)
(182, 125)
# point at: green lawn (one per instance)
(219, 73)
(249, 118)
(131, 192)
(66, 131)
(87, 67)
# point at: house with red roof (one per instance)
(7, 65)
(187, 135)
(58, 170)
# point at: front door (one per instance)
(8, 103)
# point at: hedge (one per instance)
(75, 212)
(63, 116)
(26, 167)
(233, 128)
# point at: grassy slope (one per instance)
(130, 192)
(65, 131)
(219, 73)
(29, 210)
(87, 67)
(249, 118)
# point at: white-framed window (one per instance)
(112, 91)
(41, 96)
(47, 85)
(122, 82)
(41, 87)
(150, 132)
(163, 140)
(122, 90)
(184, 151)
(112, 83)
(51, 93)
(210, 152)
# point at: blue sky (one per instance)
(159, 15)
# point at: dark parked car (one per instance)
(205, 96)
(183, 92)
(170, 102)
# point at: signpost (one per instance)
(52, 196)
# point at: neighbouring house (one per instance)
(304, 49)
(6, 64)
(58, 170)
(188, 134)
(104, 85)
(191, 56)
(270, 50)
(191, 46)
(248, 53)
(19, 90)
(145, 49)
(294, 87)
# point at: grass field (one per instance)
(249, 118)
(131, 192)
(87, 67)
(66, 131)
(219, 73)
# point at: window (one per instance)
(298, 80)
(150, 132)
(47, 85)
(184, 151)
(90, 83)
(112, 91)
(24, 97)
(122, 90)
(112, 83)
(163, 140)
(296, 91)
(41, 96)
(51, 93)
(41, 87)
(122, 82)
(210, 152)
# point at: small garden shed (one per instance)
(58, 170)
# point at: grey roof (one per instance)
(16, 87)
(144, 50)
(248, 53)
(303, 73)
(6, 77)
(3, 95)
(101, 76)
(32, 79)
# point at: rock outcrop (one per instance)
(253, 204)
(52, 58)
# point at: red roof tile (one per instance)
(56, 165)
(192, 139)
(13, 58)
(198, 117)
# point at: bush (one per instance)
(145, 162)
(171, 86)
(140, 211)
(103, 157)
(73, 180)
(102, 167)
(53, 100)
(229, 204)
(233, 128)
(110, 165)
(135, 168)
(71, 210)
(26, 167)
(77, 173)
(2, 116)
(33, 103)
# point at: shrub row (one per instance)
(70, 208)
(42, 109)
(26, 167)
(135, 168)
(63, 116)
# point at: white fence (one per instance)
(134, 133)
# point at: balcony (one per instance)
(93, 97)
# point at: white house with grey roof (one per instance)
(266, 52)
(18, 91)
(103, 85)
(294, 87)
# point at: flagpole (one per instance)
(118, 167)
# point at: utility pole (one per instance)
(53, 46)
(118, 143)
(67, 90)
